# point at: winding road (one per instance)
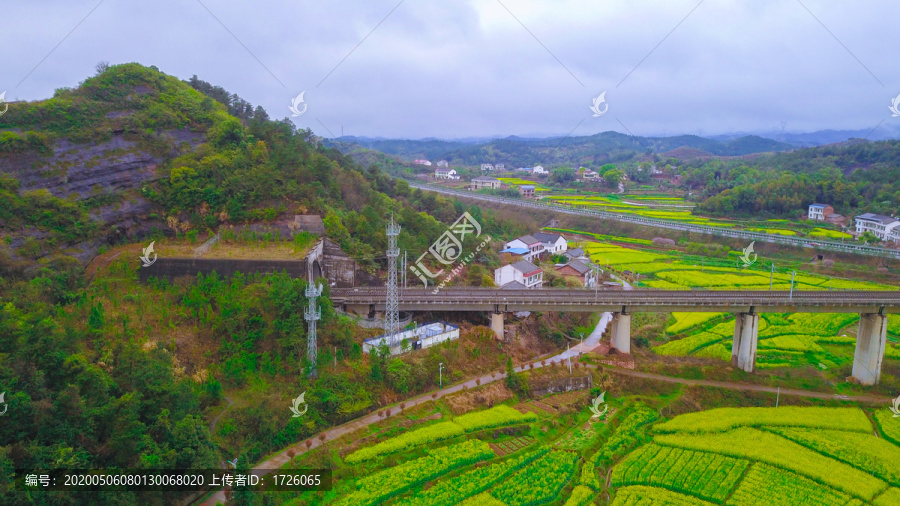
(281, 458)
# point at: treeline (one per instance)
(752, 191)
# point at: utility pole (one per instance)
(312, 314)
(771, 276)
(792, 284)
(392, 302)
(441, 375)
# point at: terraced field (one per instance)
(748, 456)
(727, 456)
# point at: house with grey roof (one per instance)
(534, 246)
(554, 244)
(524, 272)
(882, 226)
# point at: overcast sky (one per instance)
(454, 69)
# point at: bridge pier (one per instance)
(497, 325)
(620, 332)
(870, 342)
(746, 335)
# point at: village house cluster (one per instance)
(522, 273)
(885, 228)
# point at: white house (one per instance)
(895, 235)
(819, 211)
(882, 226)
(554, 244)
(499, 166)
(425, 336)
(523, 272)
(589, 174)
(538, 170)
(487, 166)
(443, 163)
(421, 162)
(534, 246)
(446, 174)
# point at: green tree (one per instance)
(513, 381)
(562, 175)
(869, 238)
(613, 177)
(398, 375)
(97, 317)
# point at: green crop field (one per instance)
(824, 341)
(748, 456)
(724, 456)
(514, 181)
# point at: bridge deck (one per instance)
(585, 300)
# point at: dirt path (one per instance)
(212, 424)
(748, 387)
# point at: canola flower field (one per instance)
(824, 341)
(726, 456)
(677, 209)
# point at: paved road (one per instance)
(848, 247)
(281, 458)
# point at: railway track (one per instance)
(463, 299)
(821, 244)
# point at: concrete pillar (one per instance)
(746, 335)
(620, 332)
(497, 324)
(870, 342)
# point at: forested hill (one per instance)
(589, 151)
(112, 373)
(133, 152)
(854, 177)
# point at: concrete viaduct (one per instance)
(872, 306)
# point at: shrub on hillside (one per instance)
(662, 242)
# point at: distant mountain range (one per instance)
(595, 150)
(589, 151)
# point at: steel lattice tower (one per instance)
(392, 303)
(312, 314)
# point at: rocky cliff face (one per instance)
(117, 168)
